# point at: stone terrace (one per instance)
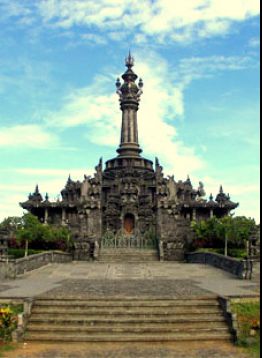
(128, 280)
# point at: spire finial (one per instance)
(130, 60)
(221, 189)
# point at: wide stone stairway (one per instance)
(128, 255)
(127, 320)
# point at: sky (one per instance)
(199, 113)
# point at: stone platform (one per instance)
(163, 279)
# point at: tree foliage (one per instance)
(29, 231)
(11, 224)
(213, 232)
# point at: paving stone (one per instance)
(127, 288)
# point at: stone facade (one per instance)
(130, 196)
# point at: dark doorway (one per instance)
(129, 223)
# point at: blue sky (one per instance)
(199, 113)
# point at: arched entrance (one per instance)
(129, 223)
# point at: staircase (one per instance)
(127, 320)
(128, 255)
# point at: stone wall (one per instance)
(12, 268)
(225, 263)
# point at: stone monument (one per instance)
(130, 197)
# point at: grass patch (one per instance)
(248, 314)
(6, 347)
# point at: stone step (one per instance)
(105, 325)
(126, 329)
(127, 258)
(132, 302)
(128, 255)
(127, 320)
(127, 250)
(130, 337)
(182, 310)
(124, 318)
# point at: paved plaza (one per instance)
(96, 279)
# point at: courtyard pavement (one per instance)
(127, 350)
(96, 279)
(153, 279)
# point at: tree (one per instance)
(232, 231)
(206, 232)
(30, 230)
(59, 235)
(11, 224)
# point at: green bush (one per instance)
(8, 323)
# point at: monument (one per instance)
(129, 200)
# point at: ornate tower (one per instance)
(129, 96)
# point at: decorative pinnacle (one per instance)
(221, 190)
(130, 61)
(37, 189)
(140, 83)
(211, 197)
(118, 83)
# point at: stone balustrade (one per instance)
(12, 268)
(226, 263)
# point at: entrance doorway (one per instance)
(129, 223)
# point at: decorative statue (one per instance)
(201, 190)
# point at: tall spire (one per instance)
(130, 60)
(129, 93)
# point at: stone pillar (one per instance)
(63, 216)
(194, 214)
(46, 216)
(211, 213)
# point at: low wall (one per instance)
(225, 263)
(12, 268)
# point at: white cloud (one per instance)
(173, 20)
(164, 19)
(29, 136)
(94, 38)
(254, 42)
